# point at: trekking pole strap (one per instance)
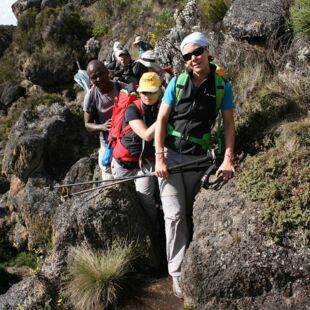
(205, 178)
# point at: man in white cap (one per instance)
(142, 45)
(117, 46)
(149, 61)
(182, 134)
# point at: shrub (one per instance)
(280, 180)
(95, 277)
(23, 259)
(212, 11)
(162, 26)
(100, 29)
(249, 80)
(54, 26)
(9, 67)
(264, 100)
(300, 18)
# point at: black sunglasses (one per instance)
(196, 52)
(148, 93)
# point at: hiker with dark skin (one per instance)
(191, 118)
(98, 105)
(135, 150)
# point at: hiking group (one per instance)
(157, 122)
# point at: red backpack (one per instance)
(120, 152)
(127, 96)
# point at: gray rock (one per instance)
(35, 206)
(10, 92)
(230, 264)
(20, 6)
(49, 3)
(92, 48)
(50, 70)
(26, 294)
(45, 142)
(256, 19)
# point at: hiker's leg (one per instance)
(106, 173)
(172, 192)
(145, 188)
(118, 171)
(191, 181)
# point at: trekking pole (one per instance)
(175, 169)
(83, 183)
(118, 181)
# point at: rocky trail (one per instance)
(156, 294)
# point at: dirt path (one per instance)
(157, 295)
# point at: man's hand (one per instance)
(106, 126)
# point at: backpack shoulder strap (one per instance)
(138, 104)
(118, 86)
(180, 84)
(219, 93)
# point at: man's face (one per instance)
(99, 76)
(123, 59)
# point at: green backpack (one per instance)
(219, 93)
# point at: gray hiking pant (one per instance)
(145, 188)
(177, 196)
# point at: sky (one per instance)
(6, 15)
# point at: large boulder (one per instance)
(32, 206)
(10, 92)
(231, 264)
(44, 143)
(94, 219)
(20, 6)
(29, 293)
(256, 19)
(54, 68)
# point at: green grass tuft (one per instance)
(95, 277)
(23, 259)
(212, 11)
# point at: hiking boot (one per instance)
(176, 285)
